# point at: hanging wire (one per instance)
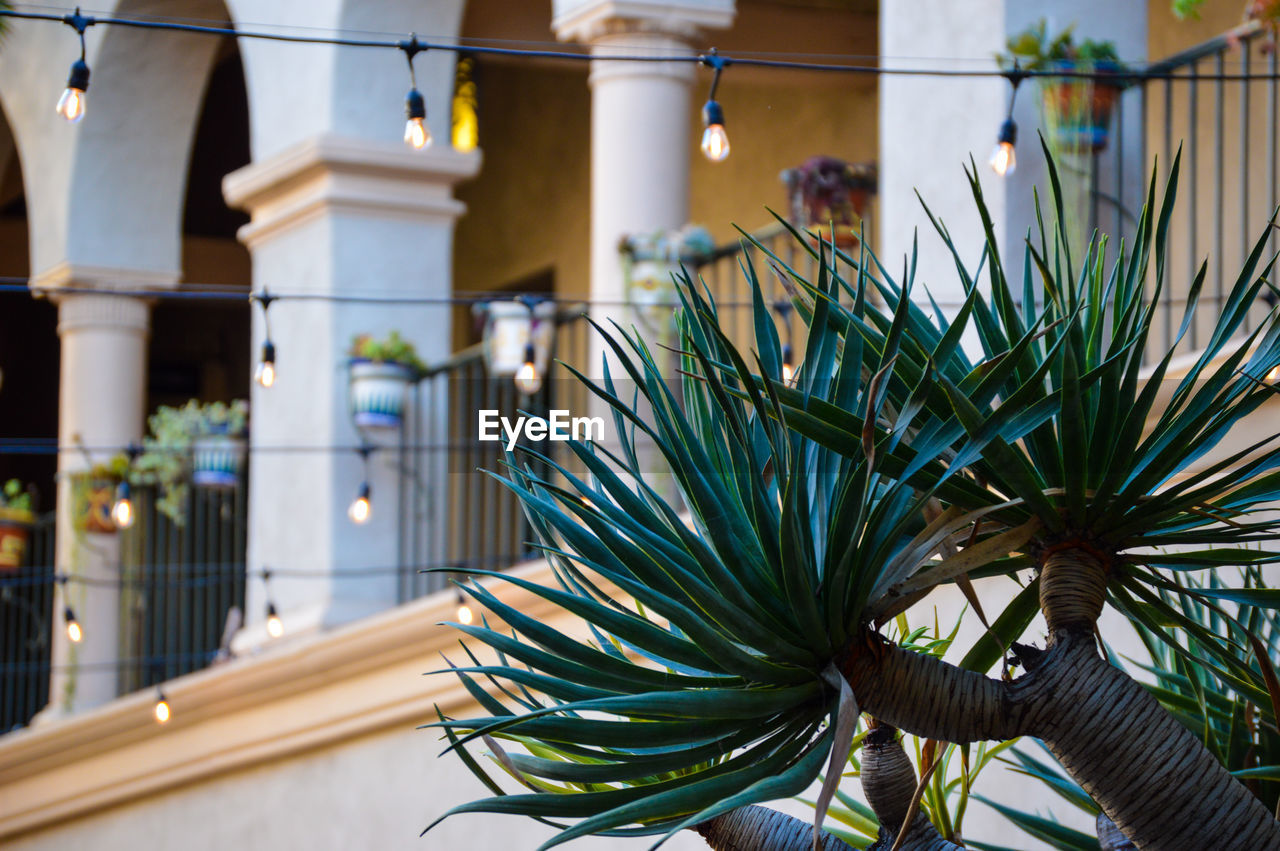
(225, 30)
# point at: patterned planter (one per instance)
(509, 327)
(217, 460)
(377, 393)
(1078, 111)
(93, 504)
(829, 197)
(15, 532)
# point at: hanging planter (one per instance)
(217, 460)
(16, 520)
(510, 328)
(379, 372)
(651, 263)
(1077, 110)
(829, 197)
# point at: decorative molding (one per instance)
(588, 20)
(328, 174)
(67, 275)
(305, 693)
(81, 311)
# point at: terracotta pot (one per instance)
(15, 532)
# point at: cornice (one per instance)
(307, 693)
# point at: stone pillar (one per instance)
(335, 216)
(641, 138)
(931, 126)
(102, 392)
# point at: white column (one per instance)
(336, 216)
(641, 138)
(102, 391)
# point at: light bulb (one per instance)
(275, 626)
(465, 615)
(1003, 159)
(122, 508)
(788, 368)
(74, 633)
(416, 133)
(266, 372)
(360, 506)
(715, 142)
(71, 105)
(162, 709)
(528, 381)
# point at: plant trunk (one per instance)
(1110, 837)
(1148, 773)
(763, 829)
(889, 782)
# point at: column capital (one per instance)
(81, 310)
(589, 20)
(79, 277)
(329, 173)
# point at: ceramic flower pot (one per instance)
(377, 393)
(217, 460)
(1078, 111)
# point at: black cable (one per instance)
(228, 31)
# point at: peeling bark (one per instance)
(1110, 837)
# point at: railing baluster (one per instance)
(1246, 50)
(1192, 179)
(1219, 114)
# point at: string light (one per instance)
(122, 513)
(360, 507)
(465, 615)
(265, 374)
(275, 626)
(1004, 159)
(74, 633)
(417, 134)
(528, 381)
(75, 100)
(715, 141)
(788, 367)
(161, 711)
(783, 308)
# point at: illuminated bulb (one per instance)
(465, 615)
(74, 101)
(1003, 160)
(715, 142)
(275, 627)
(416, 133)
(266, 372)
(74, 633)
(122, 508)
(527, 379)
(788, 368)
(162, 709)
(360, 507)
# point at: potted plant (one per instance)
(1077, 109)
(94, 492)
(379, 371)
(649, 260)
(16, 520)
(201, 442)
(830, 196)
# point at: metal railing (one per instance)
(1227, 132)
(26, 630)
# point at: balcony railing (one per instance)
(1218, 102)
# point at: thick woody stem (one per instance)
(755, 828)
(1073, 589)
(931, 698)
(889, 782)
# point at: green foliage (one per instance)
(391, 349)
(15, 497)
(1034, 50)
(743, 608)
(165, 460)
